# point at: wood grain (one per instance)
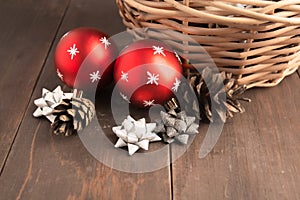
(42, 165)
(27, 32)
(257, 155)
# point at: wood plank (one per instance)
(257, 155)
(61, 168)
(27, 31)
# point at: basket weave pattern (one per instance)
(258, 41)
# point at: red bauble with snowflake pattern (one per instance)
(84, 58)
(147, 72)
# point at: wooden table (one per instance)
(256, 157)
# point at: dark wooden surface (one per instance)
(256, 157)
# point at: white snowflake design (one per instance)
(176, 85)
(158, 50)
(59, 74)
(73, 51)
(124, 97)
(177, 56)
(124, 76)
(148, 103)
(94, 76)
(152, 78)
(105, 41)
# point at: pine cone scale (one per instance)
(72, 116)
(216, 88)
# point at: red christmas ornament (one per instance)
(84, 57)
(147, 72)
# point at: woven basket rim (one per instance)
(249, 16)
(258, 41)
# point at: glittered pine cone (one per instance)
(219, 88)
(72, 115)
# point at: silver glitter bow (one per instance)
(176, 126)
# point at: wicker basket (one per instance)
(256, 40)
